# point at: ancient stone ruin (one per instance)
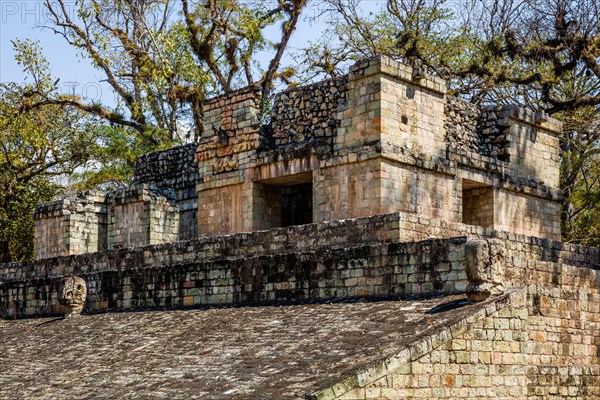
(410, 240)
(372, 142)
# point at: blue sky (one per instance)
(24, 18)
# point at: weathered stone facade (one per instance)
(308, 114)
(175, 171)
(141, 215)
(370, 256)
(413, 236)
(377, 140)
(71, 226)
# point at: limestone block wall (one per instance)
(71, 226)
(483, 361)
(188, 216)
(305, 238)
(519, 247)
(563, 346)
(534, 146)
(412, 110)
(348, 191)
(539, 342)
(178, 276)
(174, 169)
(220, 210)
(461, 123)
(408, 188)
(526, 215)
(309, 112)
(360, 231)
(231, 112)
(141, 215)
(50, 232)
(378, 185)
(242, 207)
(327, 255)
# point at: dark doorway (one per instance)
(296, 204)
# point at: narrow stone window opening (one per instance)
(477, 204)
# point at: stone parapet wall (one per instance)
(276, 257)
(73, 225)
(308, 112)
(402, 227)
(520, 247)
(140, 215)
(305, 238)
(161, 277)
(461, 124)
(174, 168)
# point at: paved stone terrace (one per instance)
(220, 353)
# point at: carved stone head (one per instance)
(72, 293)
(485, 268)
